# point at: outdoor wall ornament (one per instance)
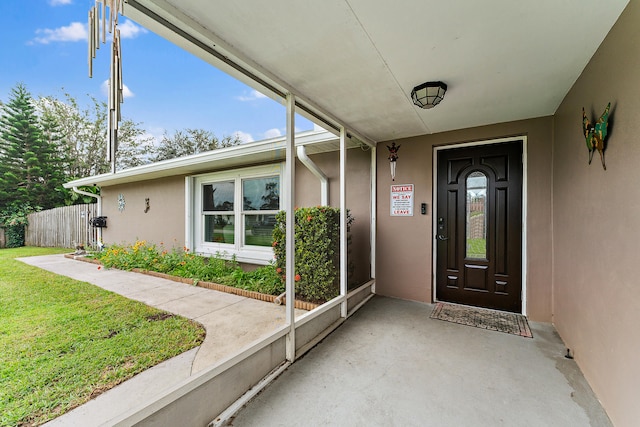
(393, 157)
(97, 30)
(595, 135)
(121, 202)
(146, 205)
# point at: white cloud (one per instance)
(129, 30)
(252, 96)
(243, 136)
(157, 133)
(148, 139)
(77, 31)
(126, 92)
(272, 133)
(60, 2)
(73, 32)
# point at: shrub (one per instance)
(182, 263)
(264, 280)
(14, 220)
(317, 237)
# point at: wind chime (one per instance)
(115, 98)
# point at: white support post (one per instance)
(343, 221)
(374, 215)
(189, 241)
(289, 176)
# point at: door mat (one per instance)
(510, 323)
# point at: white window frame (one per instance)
(243, 253)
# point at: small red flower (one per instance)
(278, 270)
(309, 218)
(297, 278)
(274, 244)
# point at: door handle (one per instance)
(441, 237)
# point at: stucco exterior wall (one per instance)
(358, 199)
(165, 220)
(404, 244)
(163, 223)
(596, 223)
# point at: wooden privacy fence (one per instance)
(63, 227)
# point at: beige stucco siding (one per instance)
(164, 222)
(596, 223)
(404, 244)
(358, 167)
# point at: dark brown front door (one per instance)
(479, 226)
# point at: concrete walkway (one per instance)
(232, 323)
(391, 365)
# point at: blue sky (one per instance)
(43, 45)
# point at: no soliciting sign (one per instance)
(402, 200)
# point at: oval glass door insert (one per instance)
(476, 215)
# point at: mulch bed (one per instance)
(303, 305)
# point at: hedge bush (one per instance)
(14, 220)
(182, 263)
(317, 237)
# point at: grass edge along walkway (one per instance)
(65, 342)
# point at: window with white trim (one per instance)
(235, 212)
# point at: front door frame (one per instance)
(436, 149)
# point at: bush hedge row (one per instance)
(317, 253)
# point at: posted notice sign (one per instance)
(402, 200)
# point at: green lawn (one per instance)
(63, 342)
(477, 248)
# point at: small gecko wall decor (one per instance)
(393, 158)
(595, 135)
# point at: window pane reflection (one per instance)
(476, 215)
(217, 196)
(219, 228)
(259, 229)
(262, 194)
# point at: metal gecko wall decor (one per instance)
(97, 29)
(595, 135)
(393, 158)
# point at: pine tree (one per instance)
(54, 176)
(29, 164)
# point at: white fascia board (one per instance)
(272, 149)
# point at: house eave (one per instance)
(268, 150)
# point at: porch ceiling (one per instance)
(359, 59)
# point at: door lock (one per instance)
(441, 237)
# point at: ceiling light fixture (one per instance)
(429, 94)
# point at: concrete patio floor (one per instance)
(388, 365)
(391, 365)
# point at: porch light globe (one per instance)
(429, 94)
